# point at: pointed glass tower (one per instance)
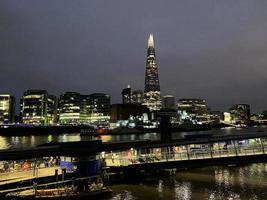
(152, 98)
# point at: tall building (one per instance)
(168, 101)
(240, 114)
(7, 108)
(127, 95)
(137, 97)
(34, 107)
(69, 108)
(152, 98)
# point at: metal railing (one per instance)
(187, 154)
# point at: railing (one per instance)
(190, 154)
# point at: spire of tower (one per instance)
(150, 41)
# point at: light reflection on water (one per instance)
(33, 140)
(7, 142)
(183, 191)
(212, 183)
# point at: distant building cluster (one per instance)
(138, 107)
(39, 107)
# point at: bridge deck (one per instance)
(203, 152)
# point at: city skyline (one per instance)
(218, 55)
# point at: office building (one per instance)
(52, 106)
(127, 95)
(137, 97)
(168, 102)
(7, 109)
(75, 108)
(240, 114)
(196, 109)
(101, 103)
(33, 107)
(69, 108)
(152, 98)
(85, 109)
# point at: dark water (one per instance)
(214, 183)
(7, 142)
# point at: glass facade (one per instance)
(69, 108)
(7, 108)
(75, 108)
(152, 98)
(34, 107)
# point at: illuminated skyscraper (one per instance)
(152, 98)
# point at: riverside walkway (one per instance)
(140, 155)
(223, 152)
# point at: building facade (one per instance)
(240, 114)
(69, 108)
(152, 97)
(33, 108)
(196, 109)
(100, 108)
(7, 109)
(75, 108)
(52, 107)
(126, 95)
(168, 102)
(137, 97)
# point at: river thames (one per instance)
(247, 182)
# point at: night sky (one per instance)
(216, 50)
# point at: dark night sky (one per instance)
(216, 50)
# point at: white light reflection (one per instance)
(183, 191)
(3, 143)
(223, 178)
(160, 186)
(125, 195)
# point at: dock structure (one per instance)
(131, 157)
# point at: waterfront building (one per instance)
(101, 103)
(240, 113)
(69, 108)
(128, 114)
(152, 98)
(34, 107)
(168, 102)
(137, 97)
(196, 109)
(100, 108)
(75, 108)
(126, 95)
(52, 107)
(227, 117)
(85, 109)
(7, 108)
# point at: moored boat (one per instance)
(92, 191)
